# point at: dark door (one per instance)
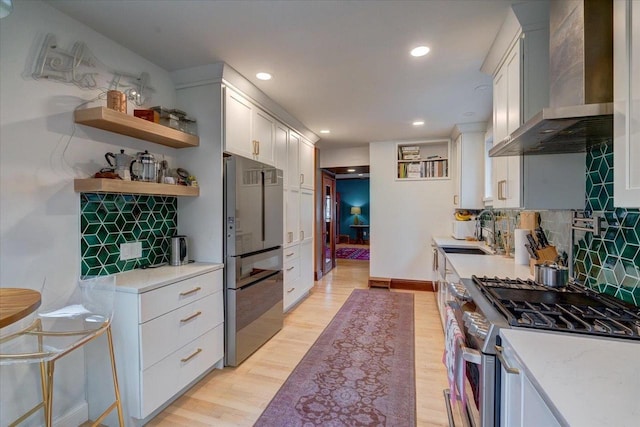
(329, 219)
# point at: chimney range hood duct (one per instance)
(580, 113)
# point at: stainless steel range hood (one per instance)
(580, 113)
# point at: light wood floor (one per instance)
(237, 396)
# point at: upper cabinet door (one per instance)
(237, 121)
(293, 160)
(280, 149)
(307, 164)
(263, 136)
(626, 119)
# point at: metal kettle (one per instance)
(144, 167)
(179, 250)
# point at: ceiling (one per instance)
(337, 65)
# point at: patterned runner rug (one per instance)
(359, 372)
(352, 253)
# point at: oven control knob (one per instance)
(482, 331)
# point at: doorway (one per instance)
(329, 226)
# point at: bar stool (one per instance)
(55, 332)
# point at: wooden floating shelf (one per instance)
(124, 124)
(103, 185)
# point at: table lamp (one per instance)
(355, 210)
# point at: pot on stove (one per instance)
(551, 274)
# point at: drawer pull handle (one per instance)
(193, 316)
(191, 356)
(291, 254)
(184, 294)
(502, 360)
(290, 268)
(291, 290)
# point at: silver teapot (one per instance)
(144, 167)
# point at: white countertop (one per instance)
(482, 265)
(590, 382)
(144, 280)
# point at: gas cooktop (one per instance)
(573, 308)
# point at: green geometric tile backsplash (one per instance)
(107, 220)
(609, 263)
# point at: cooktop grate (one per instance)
(574, 308)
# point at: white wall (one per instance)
(404, 217)
(40, 155)
(337, 157)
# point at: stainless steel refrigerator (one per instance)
(253, 200)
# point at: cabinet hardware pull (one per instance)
(301, 178)
(502, 187)
(455, 199)
(435, 259)
(290, 268)
(471, 355)
(301, 234)
(184, 294)
(290, 236)
(291, 290)
(193, 316)
(502, 360)
(191, 356)
(257, 148)
(291, 254)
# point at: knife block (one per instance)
(548, 253)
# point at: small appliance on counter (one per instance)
(179, 251)
(463, 229)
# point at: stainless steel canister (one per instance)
(179, 251)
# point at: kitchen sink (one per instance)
(467, 251)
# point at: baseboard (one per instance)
(412, 285)
(75, 417)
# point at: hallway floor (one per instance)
(237, 396)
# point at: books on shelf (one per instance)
(409, 153)
(436, 168)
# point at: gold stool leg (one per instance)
(48, 401)
(116, 388)
(117, 404)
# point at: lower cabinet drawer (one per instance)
(292, 270)
(167, 377)
(162, 300)
(292, 292)
(165, 334)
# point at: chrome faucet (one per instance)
(493, 242)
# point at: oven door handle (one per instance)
(504, 363)
(471, 355)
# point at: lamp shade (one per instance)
(355, 210)
(6, 6)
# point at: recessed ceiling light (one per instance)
(351, 170)
(263, 76)
(325, 131)
(420, 51)
(418, 123)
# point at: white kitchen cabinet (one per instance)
(293, 160)
(521, 405)
(626, 119)
(249, 131)
(281, 136)
(307, 164)
(164, 340)
(306, 264)
(467, 152)
(507, 118)
(237, 124)
(306, 215)
(262, 136)
(292, 217)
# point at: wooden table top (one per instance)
(16, 304)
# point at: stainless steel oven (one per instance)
(479, 324)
